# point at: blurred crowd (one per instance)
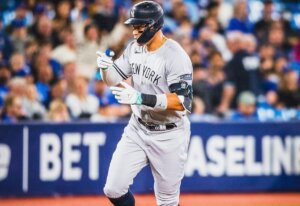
(242, 69)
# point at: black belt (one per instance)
(157, 127)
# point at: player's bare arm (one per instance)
(174, 102)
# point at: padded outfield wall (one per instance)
(59, 159)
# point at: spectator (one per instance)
(31, 48)
(289, 91)
(33, 108)
(61, 20)
(240, 21)
(69, 74)
(80, 18)
(19, 35)
(212, 11)
(81, 104)
(59, 90)
(250, 44)
(43, 30)
(267, 107)
(5, 76)
(17, 86)
(44, 79)
(246, 107)
(198, 112)
(262, 27)
(110, 108)
(210, 88)
(105, 15)
(242, 73)
(18, 65)
(276, 38)
(12, 110)
(84, 59)
(67, 51)
(6, 47)
(43, 57)
(58, 112)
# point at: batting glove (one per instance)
(127, 95)
(104, 61)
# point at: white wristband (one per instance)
(161, 102)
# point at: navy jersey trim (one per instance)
(121, 73)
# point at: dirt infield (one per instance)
(269, 199)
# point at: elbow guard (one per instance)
(184, 92)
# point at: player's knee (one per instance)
(113, 191)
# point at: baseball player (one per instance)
(158, 131)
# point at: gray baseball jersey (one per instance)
(153, 73)
(164, 150)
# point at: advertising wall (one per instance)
(50, 159)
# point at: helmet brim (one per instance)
(136, 21)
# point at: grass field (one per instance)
(264, 199)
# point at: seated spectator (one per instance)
(61, 20)
(210, 87)
(6, 47)
(110, 108)
(267, 107)
(246, 107)
(17, 86)
(43, 30)
(5, 76)
(18, 65)
(69, 74)
(198, 111)
(43, 57)
(31, 48)
(289, 91)
(12, 110)
(33, 108)
(82, 105)
(59, 90)
(240, 21)
(262, 27)
(19, 36)
(58, 112)
(43, 83)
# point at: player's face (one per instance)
(137, 30)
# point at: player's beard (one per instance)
(136, 38)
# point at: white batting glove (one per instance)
(104, 61)
(127, 95)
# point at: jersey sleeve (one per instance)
(179, 68)
(122, 65)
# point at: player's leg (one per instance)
(167, 161)
(128, 159)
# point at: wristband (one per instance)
(156, 101)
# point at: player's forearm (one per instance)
(162, 101)
(174, 102)
(111, 77)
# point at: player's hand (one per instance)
(127, 94)
(104, 61)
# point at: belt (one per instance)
(157, 127)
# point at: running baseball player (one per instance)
(158, 131)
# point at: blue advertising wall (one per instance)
(51, 159)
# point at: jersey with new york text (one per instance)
(152, 73)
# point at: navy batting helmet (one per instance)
(149, 13)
